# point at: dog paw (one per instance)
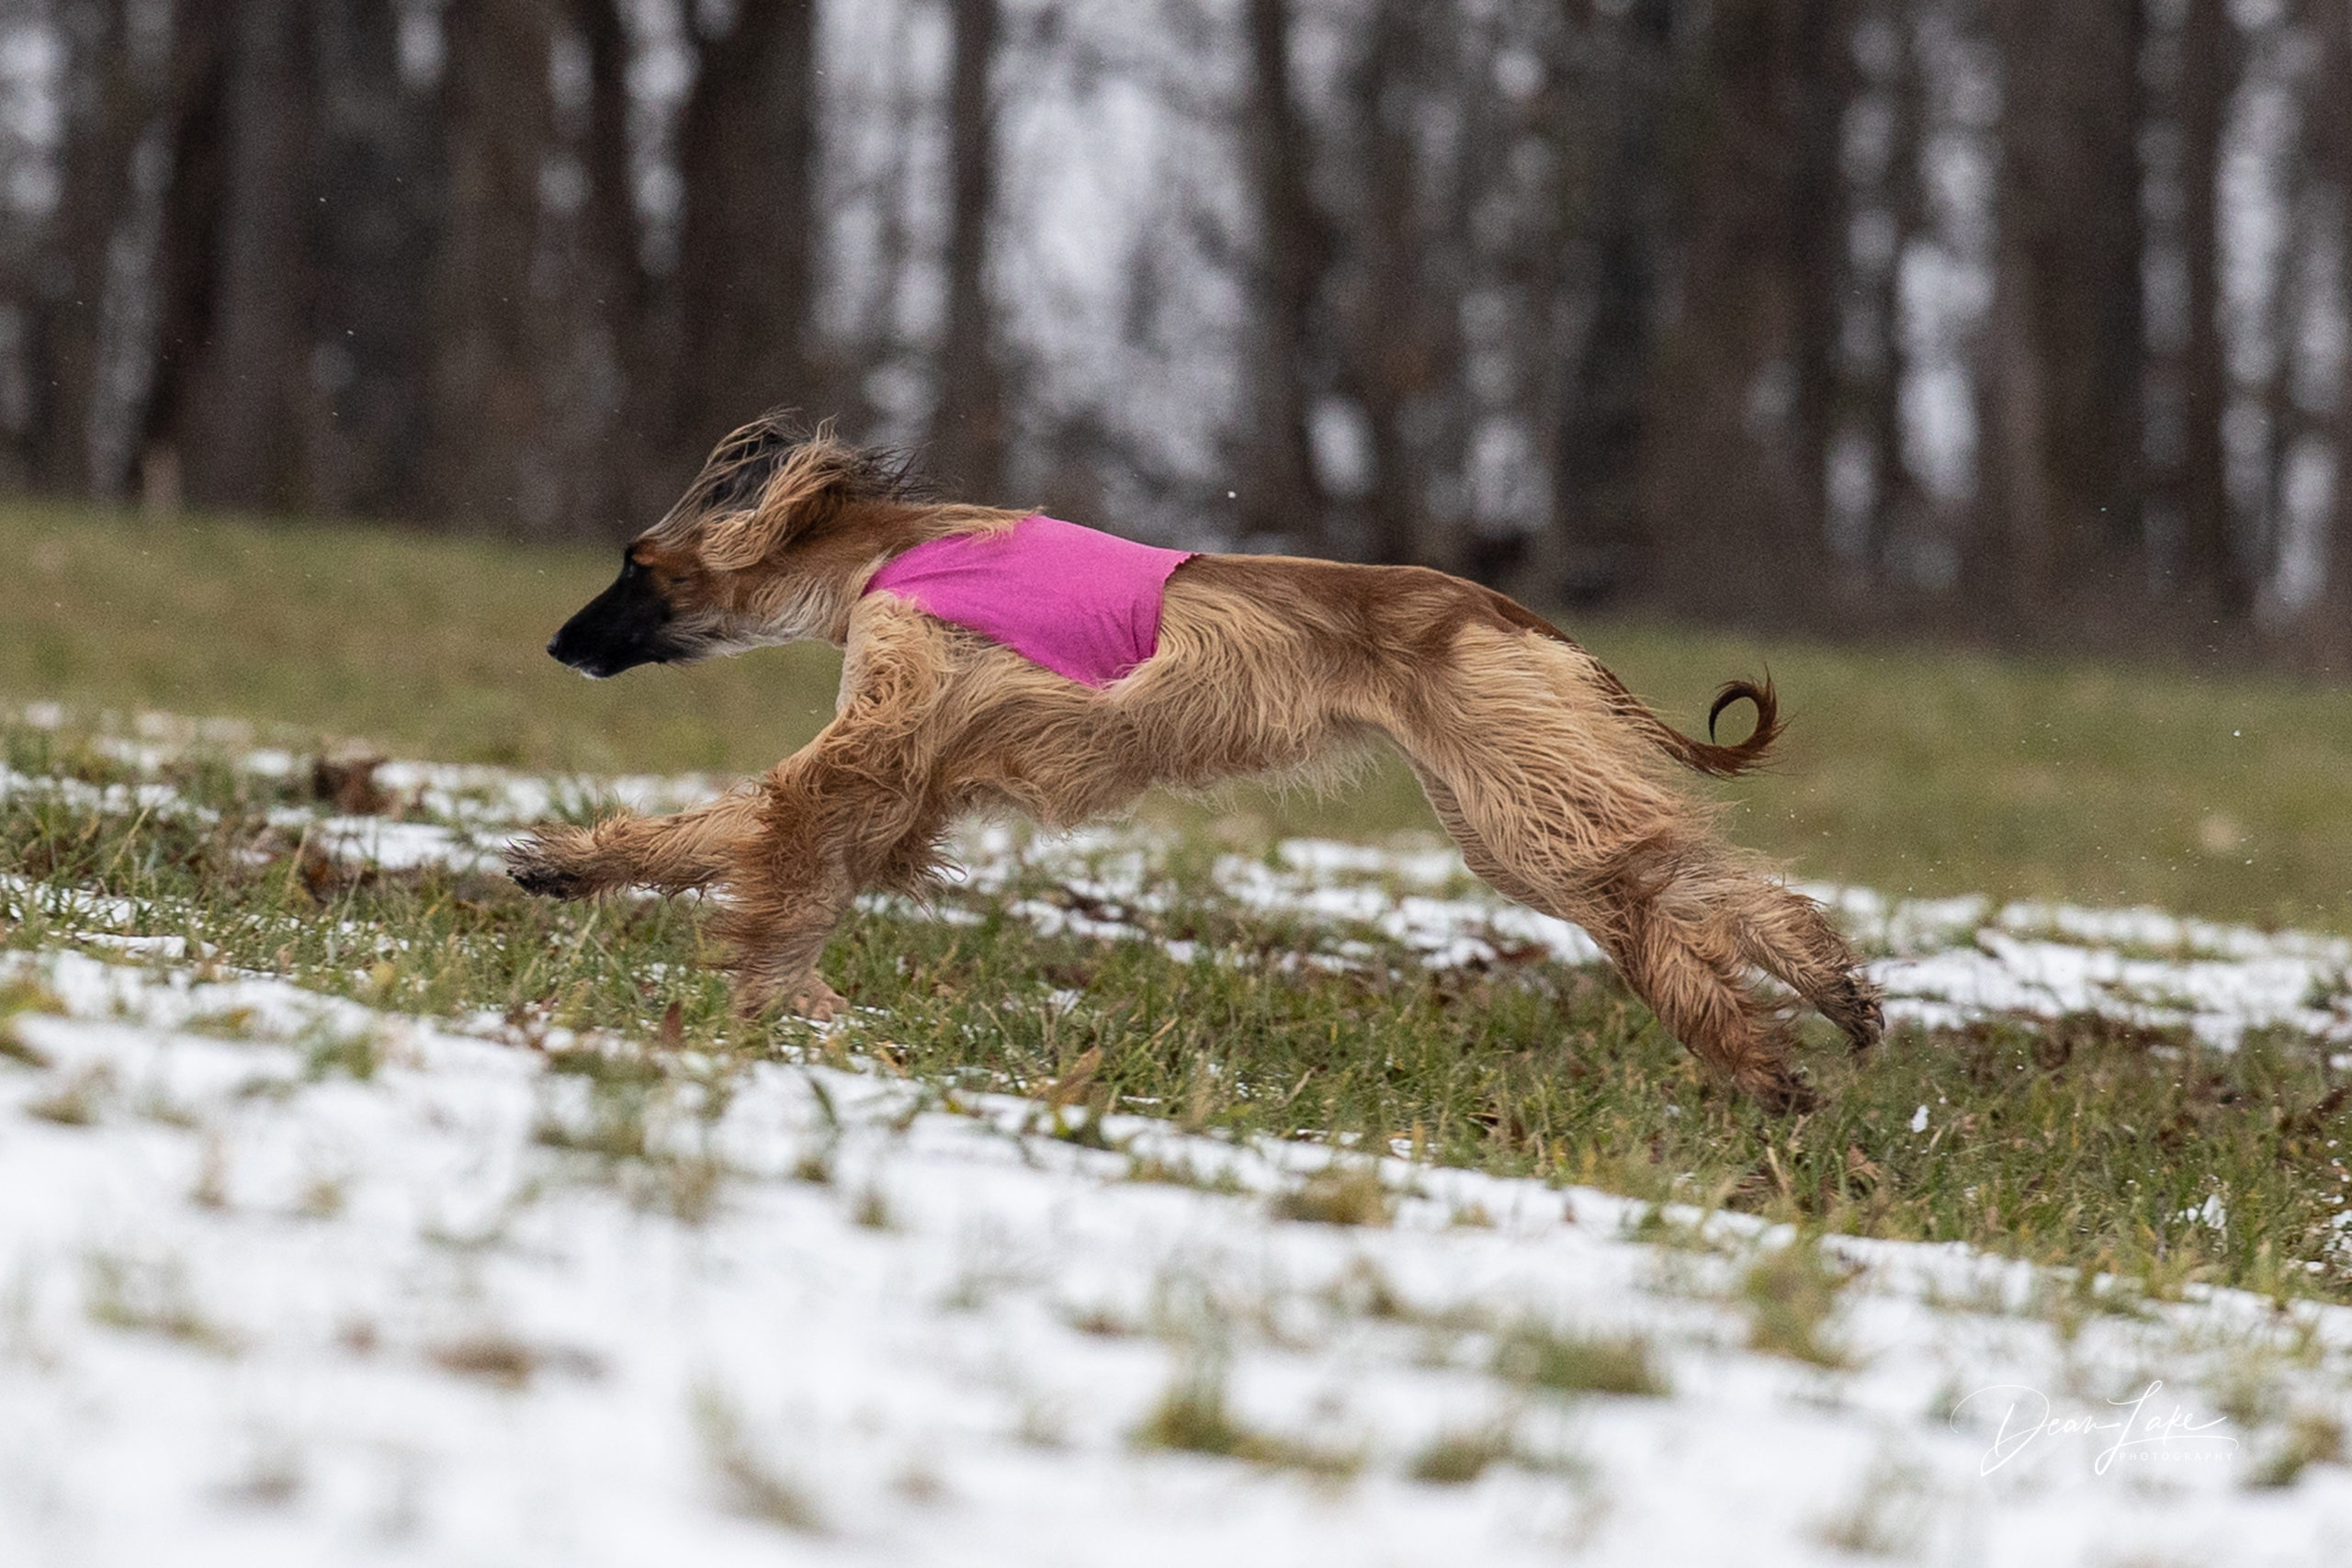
(544, 864)
(810, 999)
(1862, 1015)
(818, 1001)
(1784, 1093)
(1872, 1030)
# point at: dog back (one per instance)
(1082, 604)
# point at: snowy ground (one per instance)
(284, 1278)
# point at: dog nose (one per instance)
(551, 645)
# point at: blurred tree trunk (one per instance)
(23, 352)
(97, 316)
(1386, 359)
(2062, 369)
(1822, 83)
(1739, 411)
(237, 412)
(2214, 570)
(99, 123)
(164, 260)
(1597, 532)
(629, 472)
(1462, 254)
(1282, 495)
(876, 340)
(379, 162)
(747, 246)
(169, 277)
(2329, 134)
(968, 429)
(487, 403)
(1874, 388)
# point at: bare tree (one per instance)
(487, 397)
(240, 409)
(1384, 351)
(98, 126)
(1597, 472)
(126, 90)
(380, 166)
(1735, 459)
(1606, 297)
(1821, 82)
(746, 252)
(621, 300)
(1872, 494)
(2329, 143)
(969, 431)
(2216, 573)
(2061, 374)
(160, 310)
(1283, 495)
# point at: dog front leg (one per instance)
(826, 830)
(773, 950)
(690, 849)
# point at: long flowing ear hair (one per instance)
(775, 478)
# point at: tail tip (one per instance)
(1768, 711)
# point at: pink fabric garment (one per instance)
(1082, 604)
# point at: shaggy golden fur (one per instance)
(1548, 773)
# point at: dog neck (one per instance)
(827, 569)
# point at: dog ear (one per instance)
(810, 476)
(740, 542)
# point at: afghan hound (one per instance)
(995, 659)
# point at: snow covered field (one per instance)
(285, 1277)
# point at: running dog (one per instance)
(995, 659)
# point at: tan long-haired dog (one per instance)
(1548, 773)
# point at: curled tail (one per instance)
(1729, 761)
(1705, 756)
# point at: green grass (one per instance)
(1543, 1357)
(427, 644)
(1934, 772)
(1194, 1416)
(1792, 1292)
(1913, 771)
(2082, 1142)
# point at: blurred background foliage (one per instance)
(1936, 353)
(2022, 322)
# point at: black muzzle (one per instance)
(626, 626)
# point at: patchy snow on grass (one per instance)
(1940, 961)
(285, 1278)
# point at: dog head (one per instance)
(770, 544)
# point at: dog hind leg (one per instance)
(1678, 957)
(1552, 814)
(1787, 934)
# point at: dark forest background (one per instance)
(2015, 320)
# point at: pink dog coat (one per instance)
(1082, 604)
